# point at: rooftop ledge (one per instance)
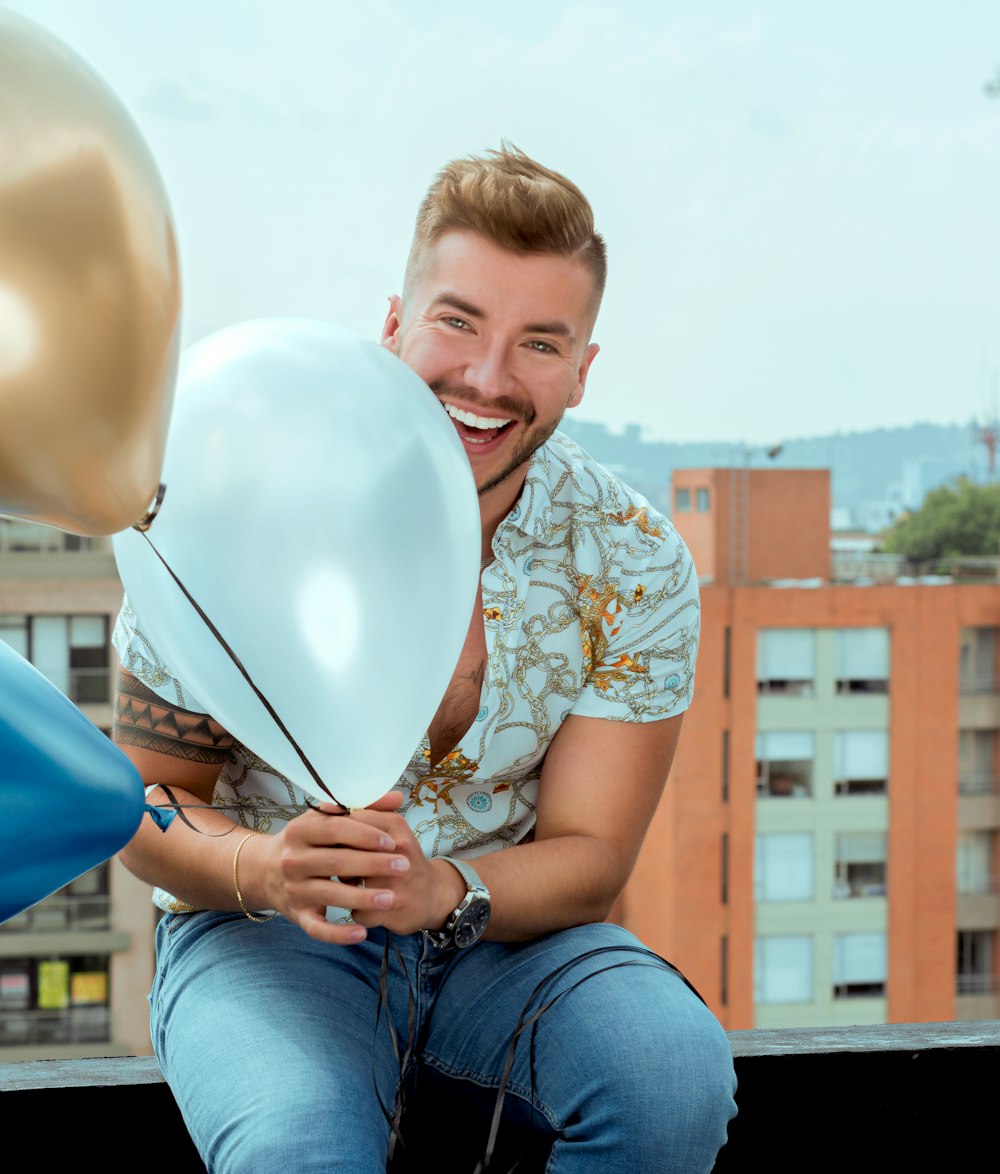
(897, 1096)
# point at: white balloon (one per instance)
(321, 512)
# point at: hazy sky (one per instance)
(800, 199)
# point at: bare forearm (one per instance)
(549, 885)
(194, 865)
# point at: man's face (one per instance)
(501, 339)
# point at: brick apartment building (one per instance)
(826, 851)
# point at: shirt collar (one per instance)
(534, 512)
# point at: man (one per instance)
(477, 888)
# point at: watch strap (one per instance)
(444, 937)
(466, 872)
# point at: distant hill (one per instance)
(875, 475)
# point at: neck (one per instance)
(496, 503)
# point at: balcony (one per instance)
(60, 913)
(976, 684)
(90, 686)
(18, 537)
(975, 984)
(29, 550)
(73, 1025)
(977, 782)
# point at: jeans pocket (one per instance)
(173, 921)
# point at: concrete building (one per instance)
(76, 967)
(826, 852)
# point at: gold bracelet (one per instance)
(236, 882)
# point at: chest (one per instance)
(460, 703)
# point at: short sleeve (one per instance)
(138, 656)
(640, 632)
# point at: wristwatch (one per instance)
(467, 922)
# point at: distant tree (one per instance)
(992, 87)
(959, 519)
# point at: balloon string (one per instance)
(246, 676)
(527, 1022)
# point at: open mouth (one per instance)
(475, 429)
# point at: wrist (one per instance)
(448, 891)
(250, 872)
(467, 921)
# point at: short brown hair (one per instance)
(516, 203)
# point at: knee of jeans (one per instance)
(662, 1047)
(279, 1132)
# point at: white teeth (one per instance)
(473, 421)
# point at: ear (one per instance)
(589, 355)
(393, 322)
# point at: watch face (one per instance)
(472, 924)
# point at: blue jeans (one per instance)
(284, 1057)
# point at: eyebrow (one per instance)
(557, 328)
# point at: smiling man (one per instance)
(297, 1040)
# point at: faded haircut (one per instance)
(515, 203)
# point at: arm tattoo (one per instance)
(145, 720)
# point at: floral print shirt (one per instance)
(590, 607)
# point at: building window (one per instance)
(89, 669)
(724, 868)
(974, 968)
(15, 631)
(978, 661)
(682, 500)
(783, 969)
(783, 866)
(859, 965)
(860, 762)
(725, 766)
(976, 762)
(974, 857)
(724, 970)
(862, 660)
(70, 651)
(54, 1000)
(702, 501)
(786, 661)
(860, 866)
(785, 764)
(727, 658)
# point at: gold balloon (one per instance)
(89, 294)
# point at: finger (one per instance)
(388, 802)
(350, 864)
(320, 863)
(341, 893)
(337, 933)
(316, 828)
(390, 823)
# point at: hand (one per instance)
(300, 869)
(423, 894)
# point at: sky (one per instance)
(800, 200)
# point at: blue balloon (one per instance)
(69, 798)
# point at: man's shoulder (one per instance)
(597, 495)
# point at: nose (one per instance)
(489, 371)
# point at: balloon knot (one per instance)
(163, 817)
